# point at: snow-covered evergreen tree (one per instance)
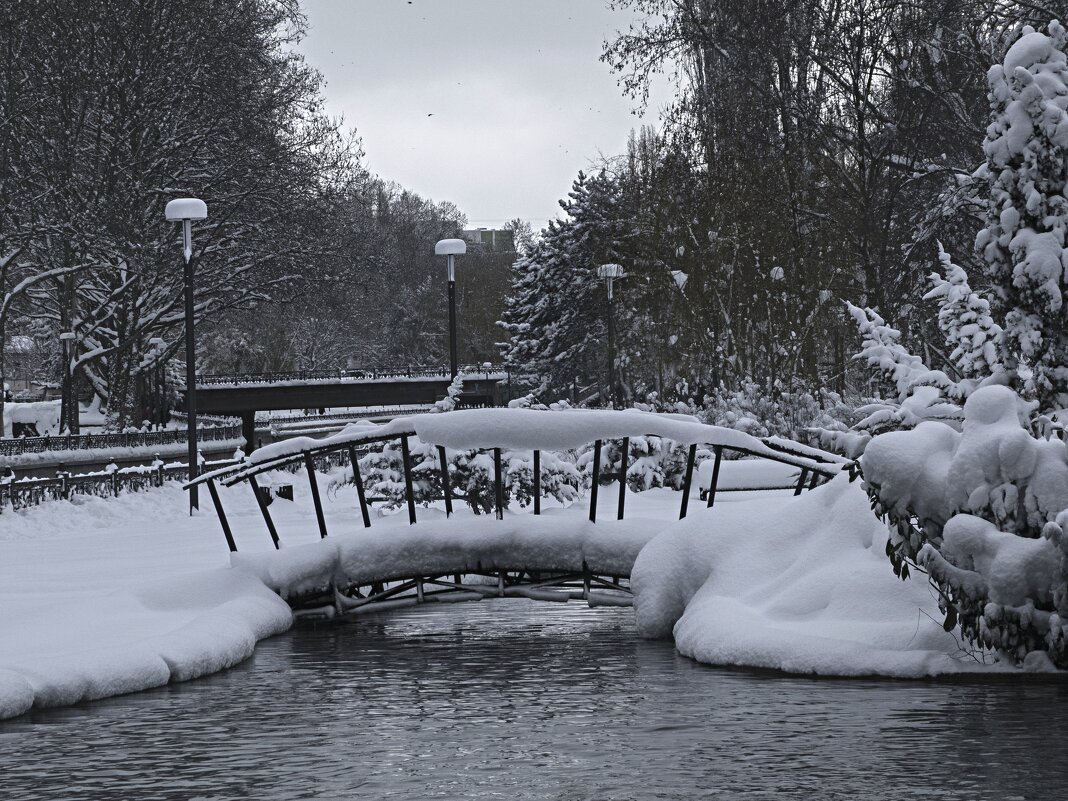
(964, 318)
(1023, 243)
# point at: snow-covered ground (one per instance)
(108, 596)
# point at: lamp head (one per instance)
(450, 247)
(186, 208)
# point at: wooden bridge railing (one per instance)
(815, 468)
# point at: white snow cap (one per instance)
(186, 208)
(450, 247)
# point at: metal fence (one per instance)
(81, 442)
(372, 373)
(27, 492)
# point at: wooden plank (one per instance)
(213, 490)
(446, 488)
(309, 464)
(263, 510)
(624, 457)
(687, 481)
(718, 450)
(596, 480)
(801, 481)
(408, 484)
(498, 483)
(537, 482)
(358, 481)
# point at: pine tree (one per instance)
(1023, 243)
(964, 318)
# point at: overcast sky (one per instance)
(492, 104)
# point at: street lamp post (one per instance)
(67, 415)
(157, 344)
(451, 248)
(185, 210)
(610, 272)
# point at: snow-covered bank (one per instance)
(799, 584)
(103, 597)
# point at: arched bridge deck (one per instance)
(530, 555)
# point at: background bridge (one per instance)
(244, 394)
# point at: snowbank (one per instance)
(797, 584)
(43, 415)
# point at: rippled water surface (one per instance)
(515, 699)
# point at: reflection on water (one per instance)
(515, 699)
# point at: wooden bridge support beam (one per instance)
(537, 482)
(214, 492)
(624, 457)
(718, 450)
(309, 463)
(445, 487)
(357, 479)
(596, 480)
(409, 489)
(687, 481)
(815, 482)
(801, 481)
(263, 510)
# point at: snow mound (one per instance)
(800, 585)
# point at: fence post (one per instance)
(801, 481)
(687, 482)
(596, 480)
(815, 482)
(718, 449)
(624, 457)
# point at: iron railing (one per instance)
(356, 374)
(81, 442)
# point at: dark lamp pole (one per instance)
(451, 248)
(185, 210)
(610, 272)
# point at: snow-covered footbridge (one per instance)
(556, 556)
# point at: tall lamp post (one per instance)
(67, 414)
(157, 344)
(451, 248)
(610, 272)
(185, 210)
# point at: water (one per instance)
(515, 699)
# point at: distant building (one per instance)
(494, 239)
(20, 354)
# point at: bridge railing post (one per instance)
(537, 482)
(801, 481)
(624, 457)
(718, 449)
(357, 479)
(309, 464)
(409, 487)
(262, 503)
(687, 481)
(596, 480)
(214, 492)
(498, 483)
(445, 486)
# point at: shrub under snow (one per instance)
(984, 511)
